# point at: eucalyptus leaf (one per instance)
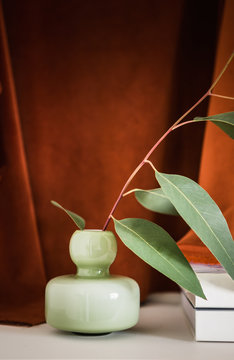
(202, 214)
(78, 220)
(224, 121)
(157, 248)
(155, 200)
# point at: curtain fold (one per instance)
(216, 169)
(88, 87)
(22, 273)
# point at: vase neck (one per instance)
(93, 272)
(93, 252)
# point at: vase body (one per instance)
(92, 301)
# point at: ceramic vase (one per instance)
(92, 301)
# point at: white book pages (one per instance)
(209, 324)
(218, 288)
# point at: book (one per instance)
(211, 319)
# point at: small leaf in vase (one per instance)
(202, 214)
(78, 220)
(155, 200)
(224, 121)
(157, 248)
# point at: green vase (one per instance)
(92, 301)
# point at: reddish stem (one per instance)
(184, 123)
(147, 156)
(174, 126)
(223, 96)
(133, 175)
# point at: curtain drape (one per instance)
(216, 170)
(87, 87)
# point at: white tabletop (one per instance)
(162, 333)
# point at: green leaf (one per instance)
(157, 248)
(155, 200)
(78, 220)
(202, 214)
(224, 121)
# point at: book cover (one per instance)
(211, 319)
(217, 285)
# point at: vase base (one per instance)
(90, 334)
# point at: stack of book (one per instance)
(211, 319)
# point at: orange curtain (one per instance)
(22, 274)
(216, 171)
(87, 88)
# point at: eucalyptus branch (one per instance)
(179, 196)
(174, 126)
(130, 192)
(184, 123)
(222, 96)
(151, 164)
(222, 72)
